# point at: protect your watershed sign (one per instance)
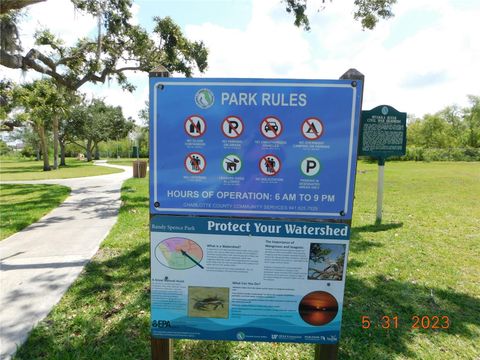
(256, 147)
(251, 280)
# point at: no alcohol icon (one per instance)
(195, 126)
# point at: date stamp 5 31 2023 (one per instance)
(434, 322)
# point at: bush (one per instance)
(28, 152)
(448, 154)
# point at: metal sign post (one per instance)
(381, 171)
(383, 133)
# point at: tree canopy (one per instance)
(119, 46)
(93, 122)
(368, 12)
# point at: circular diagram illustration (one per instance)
(318, 308)
(179, 253)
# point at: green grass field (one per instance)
(22, 205)
(11, 170)
(422, 261)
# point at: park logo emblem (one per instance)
(204, 98)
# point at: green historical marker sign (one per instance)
(383, 132)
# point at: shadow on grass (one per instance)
(31, 203)
(31, 166)
(105, 316)
(20, 169)
(376, 227)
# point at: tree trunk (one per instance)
(44, 145)
(62, 153)
(55, 142)
(97, 153)
(89, 150)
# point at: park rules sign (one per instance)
(254, 147)
(251, 196)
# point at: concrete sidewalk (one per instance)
(39, 263)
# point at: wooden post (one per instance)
(162, 349)
(330, 351)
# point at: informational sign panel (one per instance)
(383, 132)
(253, 147)
(247, 279)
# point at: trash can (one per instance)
(139, 168)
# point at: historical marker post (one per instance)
(383, 133)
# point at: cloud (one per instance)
(421, 60)
(266, 48)
(60, 17)
(424, 80)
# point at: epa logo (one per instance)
(204, 98)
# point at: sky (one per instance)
(423, 59)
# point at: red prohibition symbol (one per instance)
(269, 165)
(195, 126)
(312, 128)
(271, 127)
(195, 163)
(232, 126)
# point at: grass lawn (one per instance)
(124, 161)
(21, 205)
(11, 170)
(423, 260)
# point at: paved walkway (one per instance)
(39, 263)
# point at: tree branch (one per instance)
(7, 5)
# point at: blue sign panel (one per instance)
(253, 147)
(249, 280)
